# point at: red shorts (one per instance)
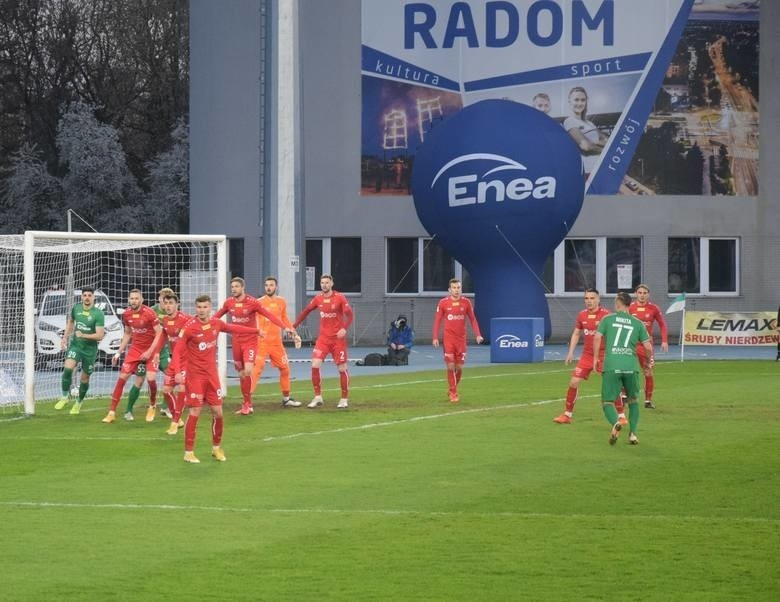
(335, 347)
(203, 388)
(454, 352)
(132, 359)
(641, 355)
(584, 367)
(244, 352)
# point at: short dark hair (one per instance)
(590, 289)
(267, 278)
(87, 289)
(624, 298)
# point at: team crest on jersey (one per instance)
(239, 305)
(206, 327)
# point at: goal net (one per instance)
(41, 274)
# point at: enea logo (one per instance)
(472, 188)
(510, 341)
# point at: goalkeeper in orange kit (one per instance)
(270, 344)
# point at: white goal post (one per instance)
(41, 274)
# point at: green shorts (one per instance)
(165, 357)
(613, 382)
(85, 357)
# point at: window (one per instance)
(339, 257)
(236, 257)
(608, 264)
(704, 266)
(406, 255)
(621, 253)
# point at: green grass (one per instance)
(406, 497)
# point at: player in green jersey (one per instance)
(621, 333)
(86, 322)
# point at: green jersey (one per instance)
(622, 332)
(86, 321)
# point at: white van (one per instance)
(50, 318)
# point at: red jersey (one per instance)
(587, 321)
(335, 313)
(171, 326)
(196, 350)
(455, 312)
(649, 313)
(244, 313)
(141, 323)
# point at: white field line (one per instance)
(345, 429)
(382, 512)
(353, 388)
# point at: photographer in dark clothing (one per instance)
(400, 339)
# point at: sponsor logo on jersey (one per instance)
(204, 345)
(456, 317)
(328, 314)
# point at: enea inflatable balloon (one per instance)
(499, 185)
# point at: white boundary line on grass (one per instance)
(385, 512)
(344, 429)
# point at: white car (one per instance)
(50, 318)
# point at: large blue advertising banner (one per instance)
(660, 97)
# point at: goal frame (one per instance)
(30, 236)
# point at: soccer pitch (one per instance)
(407, 497)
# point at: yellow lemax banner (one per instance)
(718, 328)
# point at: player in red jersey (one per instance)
(454, 309)
(585, 324)
(172, 322)
(142, 332)
(243, 310)
(195, 365)
(335, 318)
(648, 313)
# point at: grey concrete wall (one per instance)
(330, 54)
(226, 65)
(225, 158)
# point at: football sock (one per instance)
(284, 380)
(344, 380)
(633, 415)
(132, 397)
(619, 405)
(571, 398)
(610, 412)
(649, 386)
(316, 381)
(83, 388)
(170, 401)
(458, 374)
(117, 394)
(246, 388)
(179, 406)
(67, 378)
(189, 432)
(451, 380)
(152, 392)
(217, 424)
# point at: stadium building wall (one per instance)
(227, 141)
